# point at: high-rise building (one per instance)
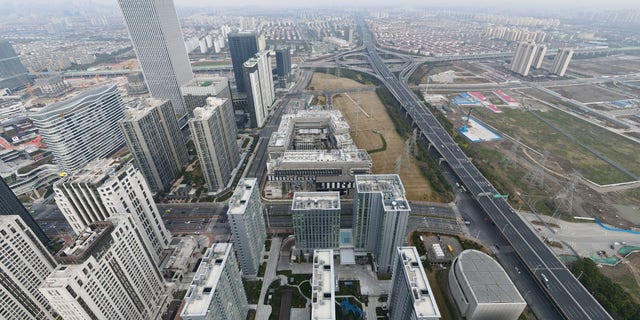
(154, 138)
(561, 61)
(283, 62)
(216, 291)
(246, 219)
(13, 75)
(316, 220)
(136, 83)
(155, 32)
(258, 78)
(323, 296)
(107, 273)
(538, 57)
(10, 205)
(196, 91)
(214, 131)
(106, 188)
(242, 46)
(523, 58)
(24, 266)
(52, 86)
(411, 297)
(380, 215)
(82, 128)
(482, 289)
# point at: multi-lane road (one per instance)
(569, 296)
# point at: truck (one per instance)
(450, 248)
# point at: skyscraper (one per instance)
(411, 296)
(154, 138)
(155, 32)
(107, 273)
(24, 266)
(561, 61)
(258, 78)
(10, 205)
(82, 128)
(13, 74)
(196, 92)
(316, 220)
(380, 215)
(216, 291)
(246, 219)
(538, 57)
(242, 46)
(283, 62)
(214, 133)
(523, 58)
(106, 188)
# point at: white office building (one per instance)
(323, 297)
(316, 220)
(106, 188)
(481, 288)
(561, 61)
(154, 139)
(411, 297)
(155, 32)
(214, 132)
(381, 212)
(523, 58)
(107, 273)
(246, 219)
(216, 291)
(258, 79)
(82, 128)
(24, 266)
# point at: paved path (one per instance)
(263, 311)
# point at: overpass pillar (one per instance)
(440, 160)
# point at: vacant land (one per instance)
(323, 81)
(588, 93)
(378, 121)
(616, 65)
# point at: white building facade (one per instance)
(316, 220)
(561, 61)
(411, 297)
(258, 78)
(246, 219)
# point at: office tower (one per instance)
(107, 273)
(283, 62)
(155, 32)
(196, 91)
(24, 266)
(411, 297)
(82, 128)
(214, 131)
(561, 61)
(216, 291)
(316, 220)
(258, 77)
(323, 298)
(348, 33)
(242, 46)
(10, 205)
(380, 212)
(523, 58)
(538, 57)
(136, 84)
(482, 289)
(246, 219)
(154, 138)
(106, 188)
(13, 75)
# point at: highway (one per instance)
(569, 296)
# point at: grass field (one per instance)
(323, 81)
(416, 185)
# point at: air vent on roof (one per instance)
(206, 290)
(424, 291)
(219, 261)
(414, 264)
(327, 267)
(327, 295)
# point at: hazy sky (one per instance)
(540, 4)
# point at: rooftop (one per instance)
(331, 119)
(329, 200)
(88, 242)
(95, 172)
(204, 86)
(389, 185)
(240, 197)
(202, 113)
(147, 106)
(200, 294)
(322, 286)
(424, 303)
(488, 281)
(70, 104)
(326, 156)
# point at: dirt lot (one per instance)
(323, 81)
(622, 275)
(588, 93)
(417, 187)
(615, 65)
